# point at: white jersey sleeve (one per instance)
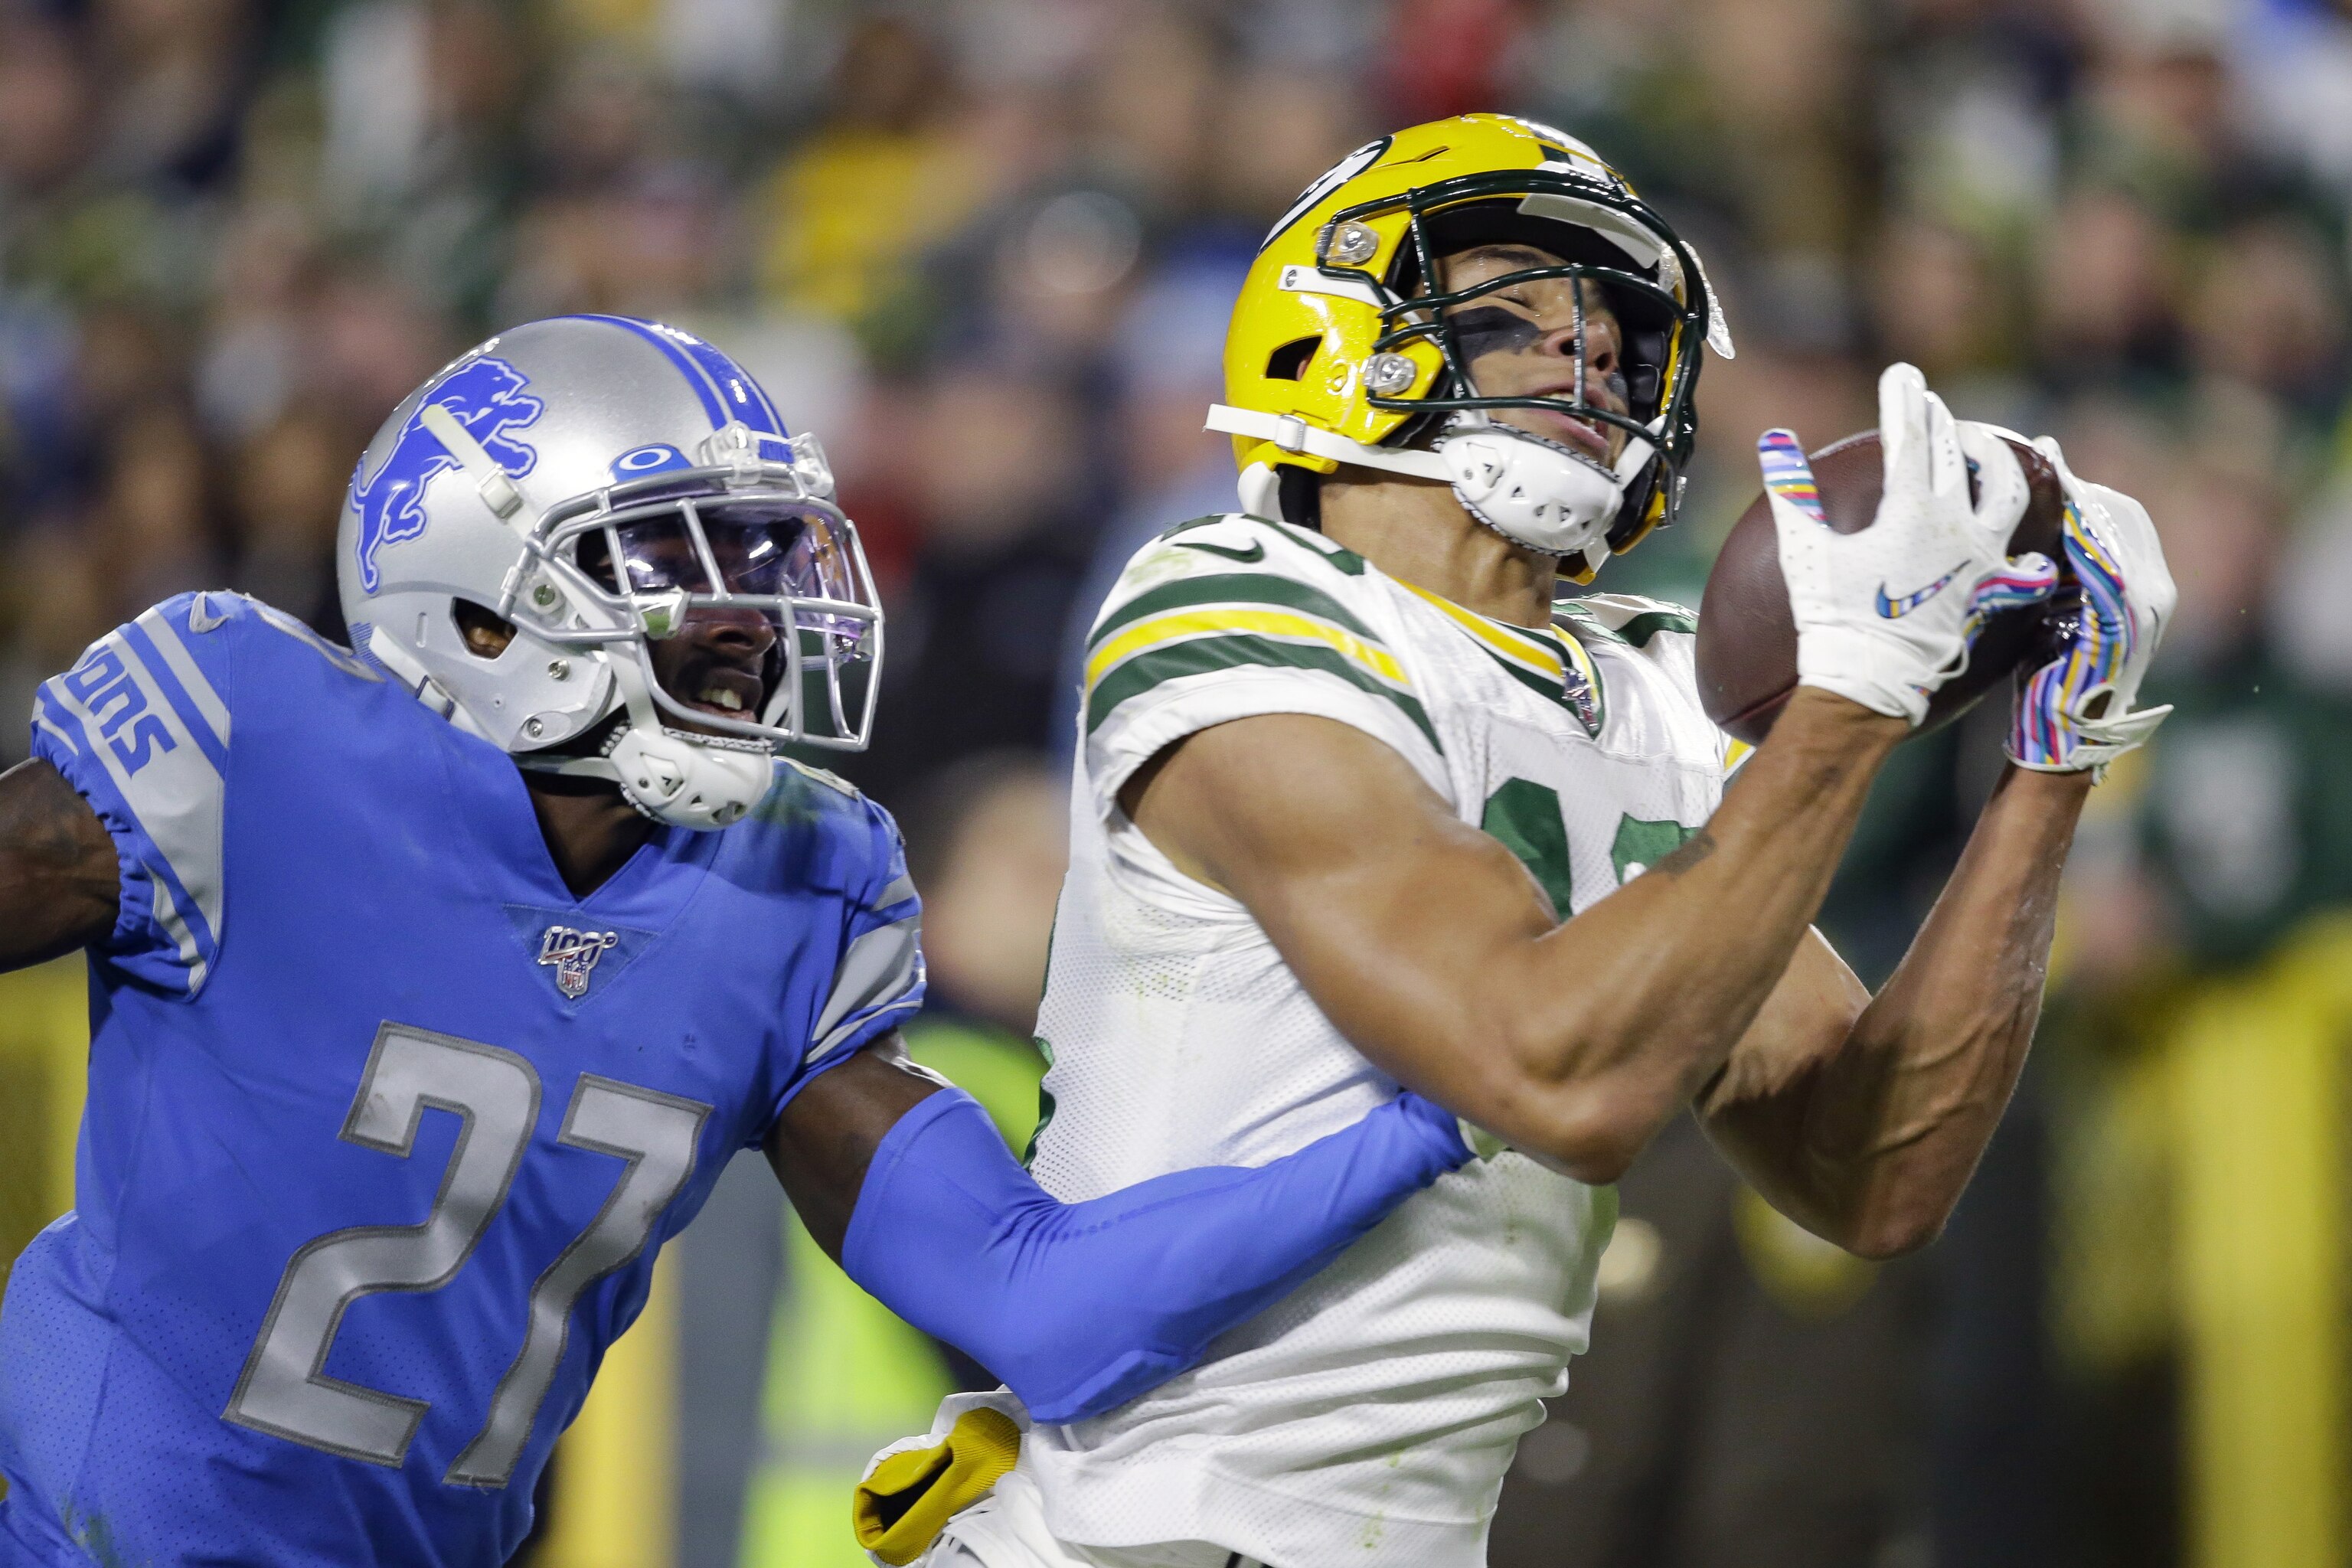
(1229, 617)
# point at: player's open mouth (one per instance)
(729, 692)
(1566, 428)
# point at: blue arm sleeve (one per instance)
(1080, 1307)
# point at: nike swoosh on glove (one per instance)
(1886, 615)
(2075, 712)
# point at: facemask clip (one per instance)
(661, 614)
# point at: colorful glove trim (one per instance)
(2075, 713)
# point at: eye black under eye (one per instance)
(1489, 329)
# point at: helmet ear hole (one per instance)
(483, 630)
(1289, 362)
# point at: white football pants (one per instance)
(1007, 1529)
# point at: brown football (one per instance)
(1747, 639)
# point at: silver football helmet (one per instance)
(597, 482)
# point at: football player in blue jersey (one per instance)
(433, 985)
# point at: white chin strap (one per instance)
(1528, 489)
(682, 780)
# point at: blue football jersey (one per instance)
(386, 1127)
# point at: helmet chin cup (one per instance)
(688, 783)
(1528, 490)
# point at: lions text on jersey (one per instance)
(1370, 1416)
(385, 1125)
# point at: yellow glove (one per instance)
(900, 1508)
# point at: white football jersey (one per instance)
(1368, 1417)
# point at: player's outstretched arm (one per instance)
(1078, 1307)
(60, 881)
(1863, 1118)
(1431, 949)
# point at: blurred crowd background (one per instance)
(986, 247)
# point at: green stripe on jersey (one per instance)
(1211, 520)
(1637, 629)
(1237, 650)
(1650, 623)
(1543, 686)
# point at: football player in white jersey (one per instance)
(1359, 804)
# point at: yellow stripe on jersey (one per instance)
(1212, 620)
(1538, 656)
(1541, 659)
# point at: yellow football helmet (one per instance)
(1342, 349)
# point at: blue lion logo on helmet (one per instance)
(486, 395)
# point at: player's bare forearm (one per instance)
(59, 881)
(821, 1144)
(1430, 947)
(1865, 1118)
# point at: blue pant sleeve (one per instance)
(1080, 1307)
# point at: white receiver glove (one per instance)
(2076, 713)
(1886, 615)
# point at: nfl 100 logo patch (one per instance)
(573, 955)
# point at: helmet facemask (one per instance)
(754, 544)
(1551, 492)
(788, 572)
